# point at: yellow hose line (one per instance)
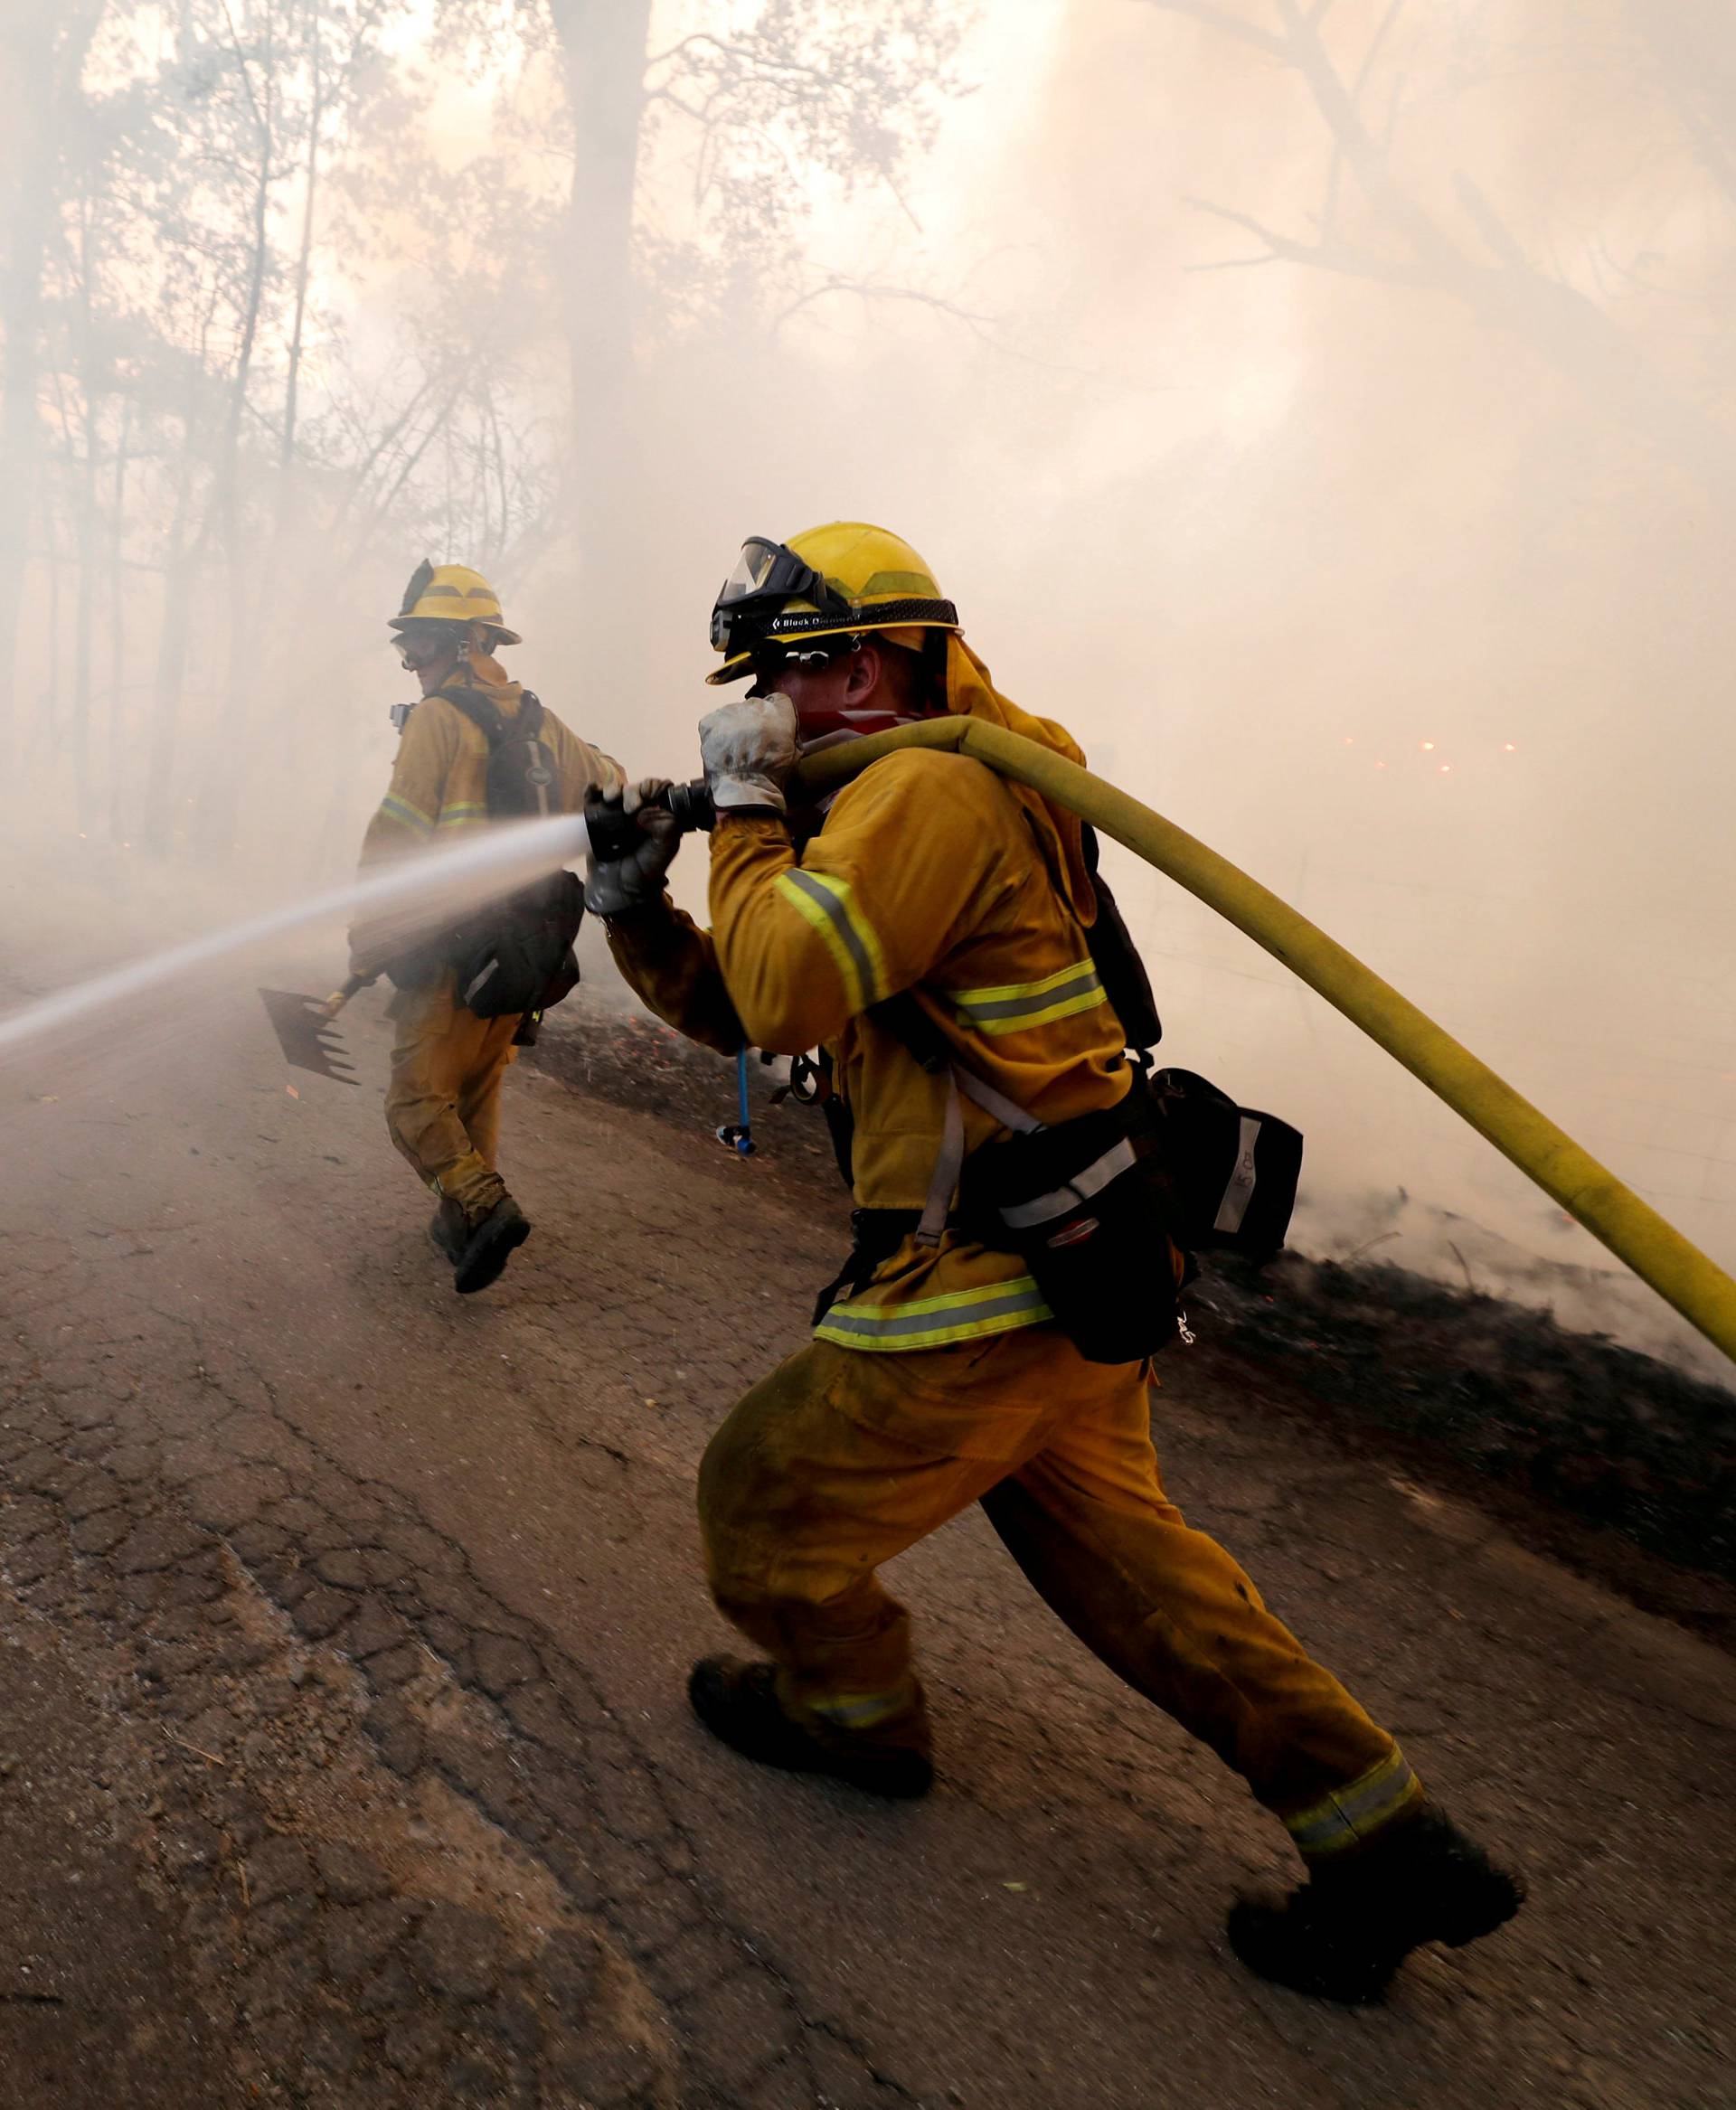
(1656, 1251)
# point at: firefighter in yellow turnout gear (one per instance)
(447, 1064)
(937, 1377)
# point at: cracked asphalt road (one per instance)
(344, 1625)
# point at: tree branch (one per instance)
(864, 291)
(246, 77)
(1376, 42)
(1237, 263)
(1311, 58)
(1488, 222)
(1324, 256)
(1220, 18)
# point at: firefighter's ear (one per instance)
(862, 671)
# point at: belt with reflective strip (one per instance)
(1014, 1006)
(830, 906)
(934, 1321)
(1027, 1215)
(1350, 1814)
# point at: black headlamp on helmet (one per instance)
(767, 575)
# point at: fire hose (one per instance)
(1588, 1191)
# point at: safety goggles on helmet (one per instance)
(767, 575)
(419, 643)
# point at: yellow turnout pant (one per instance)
(443, 1103)
(840, 1459)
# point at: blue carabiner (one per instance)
(737, 1134)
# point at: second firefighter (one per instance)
(474, 739)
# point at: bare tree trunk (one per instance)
(41, 55)
(220, 792)
(603, 49)
(179, 576)
(316, 119)
(89, 538)
(271, 621)
(118, 829)
(180, 569)
(48, 718)
(27, 150)
(84, 635)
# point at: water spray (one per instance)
(431, 889)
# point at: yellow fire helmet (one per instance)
(452, 593)
(837, 580)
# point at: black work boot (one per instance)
(493, 1237)
(448, 1231)
(739, 1703)
(1343, 1934)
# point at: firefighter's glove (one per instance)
(748, 748)
(618, 885)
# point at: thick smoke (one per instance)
(1395, 565)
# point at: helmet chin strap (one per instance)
(477, 650)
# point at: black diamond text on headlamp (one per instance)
(767, 577)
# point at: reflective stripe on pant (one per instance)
(443, 1104)
(837, 1461)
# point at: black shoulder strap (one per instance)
(481, 713)
(1118, 965)
(528, 724)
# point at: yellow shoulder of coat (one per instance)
(930, 786)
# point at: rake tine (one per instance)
(306, 1034)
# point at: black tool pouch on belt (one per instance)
(1225, 1175)
(1073, 1201)
(518, 955)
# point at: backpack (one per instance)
(516, 956)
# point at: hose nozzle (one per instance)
(613, 830)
